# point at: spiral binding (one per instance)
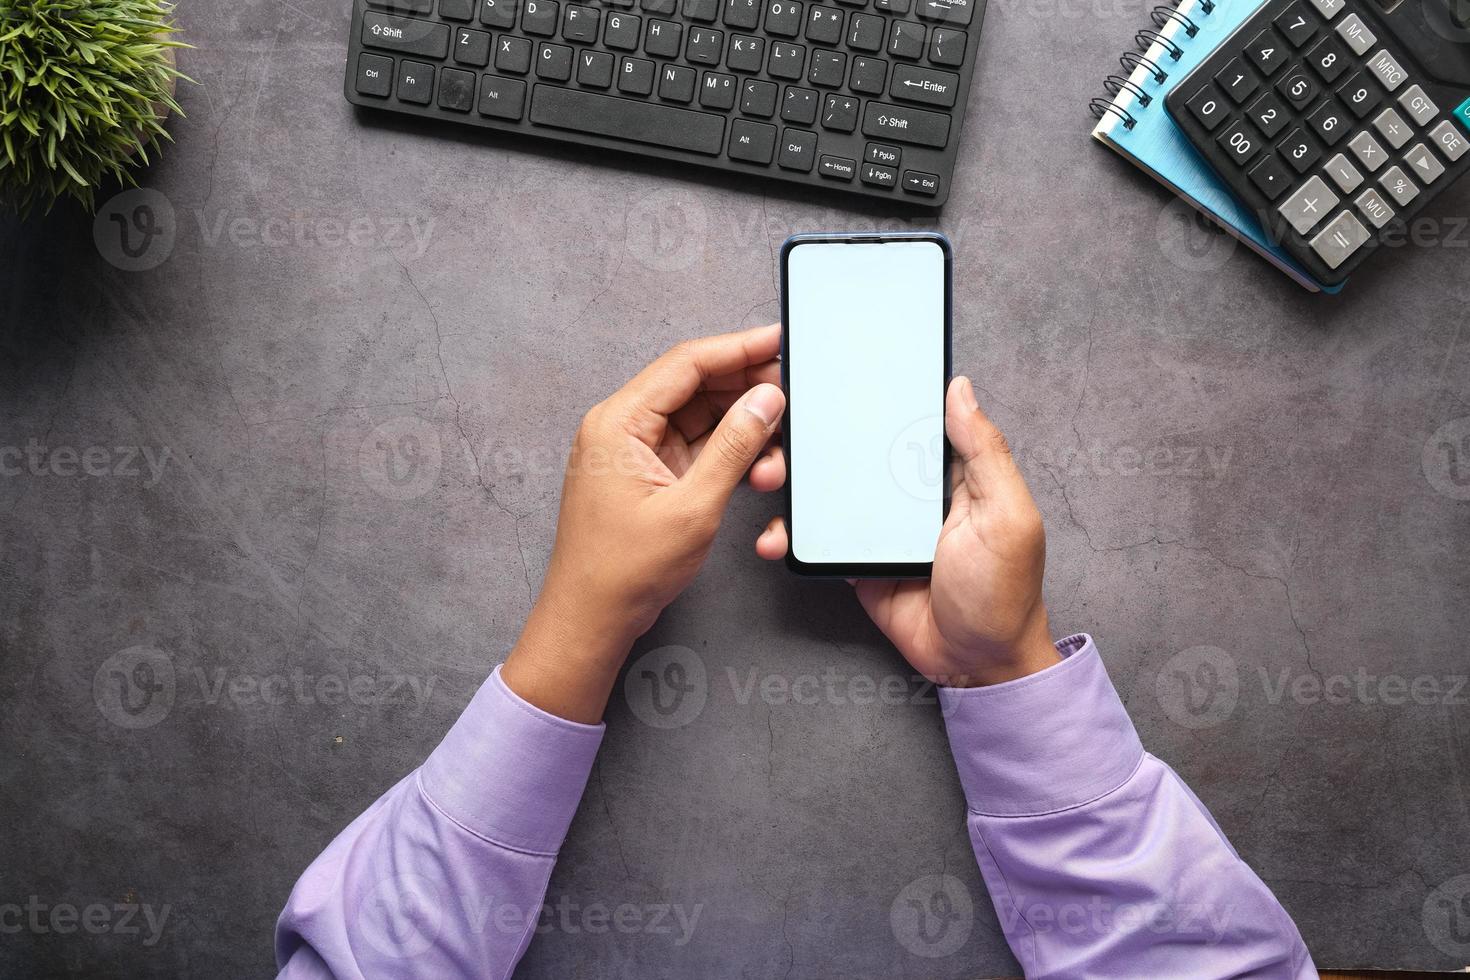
(1149, 39)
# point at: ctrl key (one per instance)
(918, 182)
(374, 75)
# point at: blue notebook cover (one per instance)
(1155, 144)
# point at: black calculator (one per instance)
(1336, 121)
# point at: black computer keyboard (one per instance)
(862, 95)
(1336, 121)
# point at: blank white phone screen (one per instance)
(865, 324)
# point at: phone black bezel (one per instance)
(846, 570)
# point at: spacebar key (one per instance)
(641, 122)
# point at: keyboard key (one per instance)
(456, 9)
(717, 91)
(415, 82)
(1270, 114)
(924, 85)
(1449, 141)
(501, 98)
(704, 46)
(1329, 8)
(498, 13)
(1423, 164)
(1343, 173)
(580, 23)
(1352, 30)
(892, 6)
(404, 6)
(828, 69)
(374, 75)
(663, 38)
(471, 47)
(659, 8)
(595, 68)
(752, 142)
(456, 90)
(837, 168)
(1297, 24)
(758, 98)
(1300, 150)
(704, 11)
(627, 119)
(919, 182)
(957, 12)
(513, 55)
(1399, 186)
(906, 40)
(1389, 71)
(785, 60)
(554, 62)
(865, 32)
(1329, 122)
(882, 153)
(745, 14)
(1394, 129)
(1238, 80)
(539, 17)
(879, 176)
(676, 83)
(824, 24)
(1374, 208)
(1267, 52)
(798, 150)
(918, 126)
(868, 75)
(635, 76)
(1208, 107)
(1329, 58)
(1299, 89)
(1305, 209)
(1241, 142)
(404, 35)
(799, 105)
(1271, 176)
(747, 53)
(840, 113)
(783, 18)
(623, 31)
(1369, 151)
(947, 47)
(1361, 95)
(1340, 240)
(1418, 105)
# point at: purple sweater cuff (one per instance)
(510, 772)
(1047, 742)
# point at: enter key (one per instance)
(925, 85)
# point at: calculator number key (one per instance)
(1240, 142)
(1300, 151)
(1360, 94)
(1297, 25)
(1238, 80)
(1328, 122)
(1271, 176)
(1298, 89)
(1329, 58)
(1270, 114)
(1267, 52)
(1208, 107)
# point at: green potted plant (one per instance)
(85, 86)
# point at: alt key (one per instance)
(918, 182)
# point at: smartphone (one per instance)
(865, 360)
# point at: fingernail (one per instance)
(765, 402)
(967, 394)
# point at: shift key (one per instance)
(906, 125)
(405, 35)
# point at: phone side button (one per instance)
(918, 182)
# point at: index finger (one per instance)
(666, 384)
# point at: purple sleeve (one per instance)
(444, 875)
(1099, 860)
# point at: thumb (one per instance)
(734, 445)
(990, 471)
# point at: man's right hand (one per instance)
(980, 619)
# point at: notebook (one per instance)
(1132, 119)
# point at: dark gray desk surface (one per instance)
(1223, 460)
